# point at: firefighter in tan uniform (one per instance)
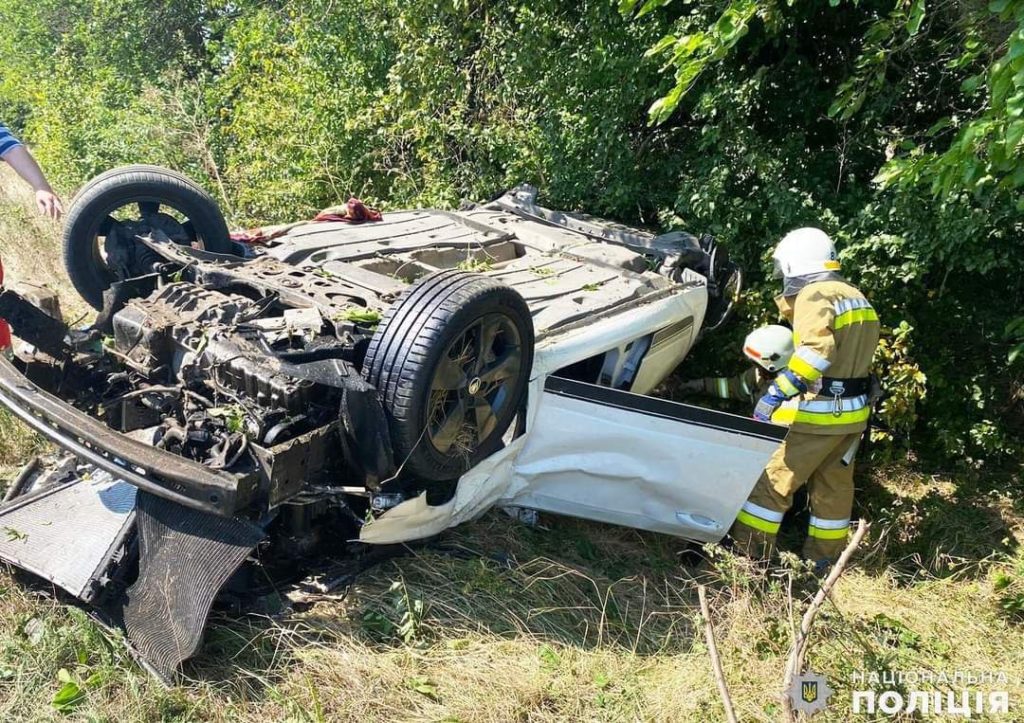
(770, 348)
(823, 395)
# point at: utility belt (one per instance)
(845, 388)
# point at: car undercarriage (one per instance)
(265, 406)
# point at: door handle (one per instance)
(695, 520)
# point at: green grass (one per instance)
(570, 621)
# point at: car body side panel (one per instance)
(621, 458)
(597, 335)
(610, 456)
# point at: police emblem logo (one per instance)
(809, 693)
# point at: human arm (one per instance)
(19, 158)
(813, 316)
(740, 387)
(25, 165)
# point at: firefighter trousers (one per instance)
(814, 460)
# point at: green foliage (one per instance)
(1008, 586)
(690, 54)
(896, 125)
(905, 383)
(368, 317)
(891, 125)
(399, 617)
(1015, 333)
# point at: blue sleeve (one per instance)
(7, 140)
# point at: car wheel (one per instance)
(451, 362)
(115, 207)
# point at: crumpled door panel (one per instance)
(626, 459)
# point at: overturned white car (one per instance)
(238, 405)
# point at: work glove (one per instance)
(786, 386)
(766, 405)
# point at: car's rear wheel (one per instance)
(115, 207)
(451, 361)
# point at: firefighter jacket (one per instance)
(835, 330)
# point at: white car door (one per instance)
(626, 459)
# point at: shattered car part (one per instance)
(185, 556)
(90, 516)
(230, 419)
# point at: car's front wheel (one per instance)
(451, 361)
(111, 210)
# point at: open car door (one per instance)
(626, 459)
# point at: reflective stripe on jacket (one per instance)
(745, 387)
(835, 330)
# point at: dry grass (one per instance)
(30, 245)
(577, 621)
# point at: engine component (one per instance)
(236, 364)
(143, 328)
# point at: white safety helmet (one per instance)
(770, 347)
(804, 251)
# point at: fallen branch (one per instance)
(716, 662)
(795, 662)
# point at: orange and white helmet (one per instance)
(770, 347)
(804, 251)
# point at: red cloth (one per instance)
(5, 330)
(355, 211)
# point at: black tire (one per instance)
(118, 188)
(412, 356)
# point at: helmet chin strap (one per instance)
(791, 285)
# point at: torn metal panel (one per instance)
(478, 491)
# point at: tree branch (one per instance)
(795, 662)
(716, 662)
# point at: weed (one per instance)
(410, 611)
(233, 416)
(479, 266)
(359, 315)
(1008, 586)
(13, 534)
(423, 685)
